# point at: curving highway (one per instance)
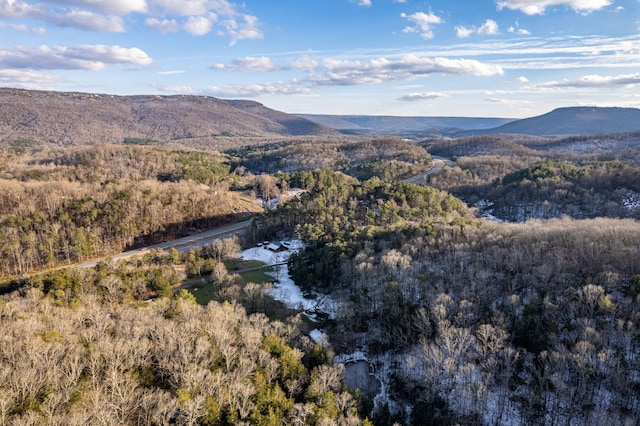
(439, 163)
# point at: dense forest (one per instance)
(386, 158)
(484, 322)
(81, 354)
(544, 189)
(63, 206)
(464, 320)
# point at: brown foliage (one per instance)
(63, 119)
(69, 205)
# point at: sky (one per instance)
(473, 58)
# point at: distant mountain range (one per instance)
(71, 118)
(571, 121)
(398, 125)
(561, 121)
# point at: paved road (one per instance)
(181, 244)
(439, 164)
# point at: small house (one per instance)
(276, 246)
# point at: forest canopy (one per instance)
(462, 320)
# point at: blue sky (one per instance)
(482, 58)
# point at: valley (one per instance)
(532, 319)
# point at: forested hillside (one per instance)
(63, 119)
(93, 360)
(522, 179)
(381, 125)
(472, 321)
(584, 120)
(63, 206)
(462, 320)
(386, 158)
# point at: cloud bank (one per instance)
(248, 63)
(593, 81)
(83, 57)
(336, 72)
(413, 97)
(539, 7)
(196, 17)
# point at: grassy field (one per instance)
(244, 268)
(249, 272)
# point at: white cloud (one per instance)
(523, 79)
(306, 63)
(247, 29)
(17, 27)
(112, 54)
(89, 21)
(412, 97)
(83, 57)
(239, 90)
(538, 7)
(27, 79)
(520, 31)
(198, 25)
(196, 17)
(505, 101)
(348, 73)
(188, 7)
(179, 90)
(517, 30)
(255, 90)
(561, 52)
(365, 3)
(38, 31)
(593, 81)
(16, 9)
(464, 32)
(163, 26)
(424, 23)
(82, 19)
(248, 63)
(115, 7)
(171, 72)
(24, 28)
(490, 27)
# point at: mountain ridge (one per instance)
(558, 122)
(72, 118)
(77, 118)
(564, 121)
(390, 124)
